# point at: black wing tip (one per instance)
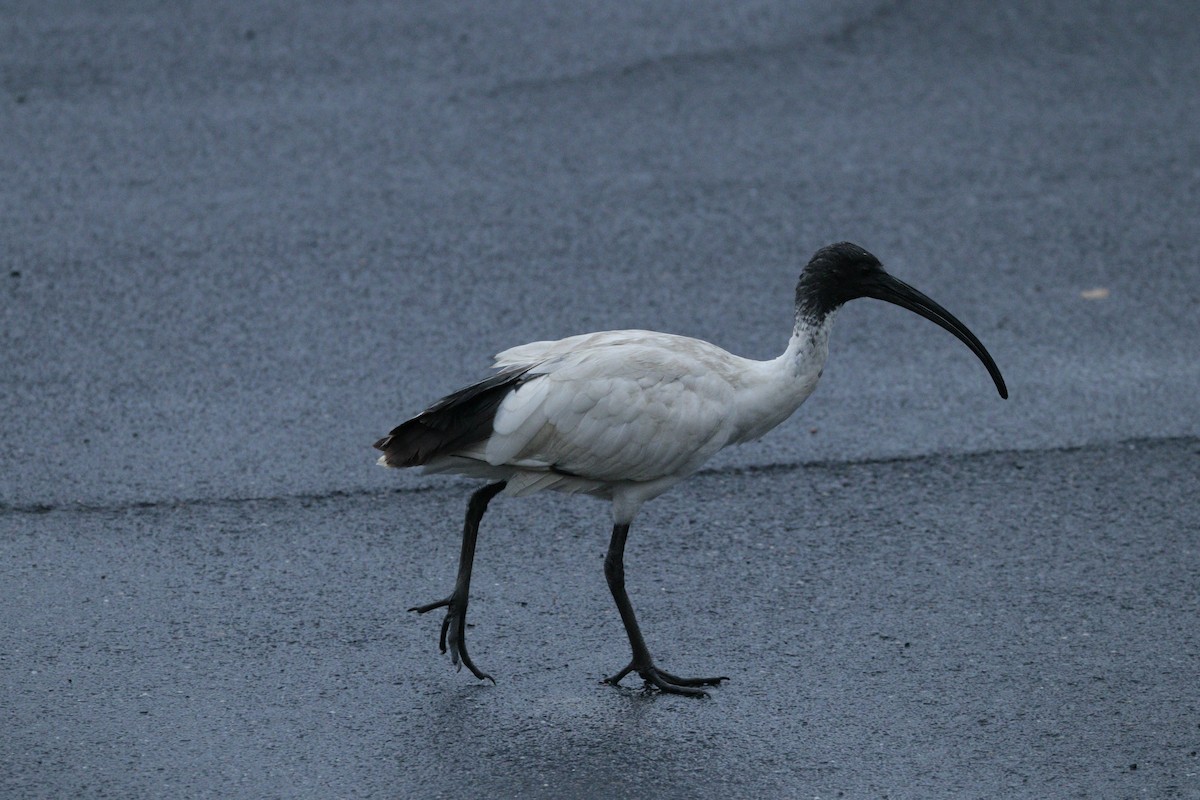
(406, 446)
(458, 420)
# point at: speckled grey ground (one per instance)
(241, 240)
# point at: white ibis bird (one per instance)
(626, 415)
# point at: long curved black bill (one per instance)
(893, 290)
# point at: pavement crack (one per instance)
(9, 509)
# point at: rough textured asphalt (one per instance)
(242, 240)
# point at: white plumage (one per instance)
(625, 415)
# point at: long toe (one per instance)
(665, 681)
(692, 681)
(454, 635)
(431, 606)
(469, 664)
(614, 680)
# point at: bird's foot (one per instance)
(454, 633)
(664, 681)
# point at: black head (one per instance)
(834, 276)
(842, 272)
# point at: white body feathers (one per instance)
(627, 414)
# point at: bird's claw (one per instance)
(666, 682)
(454, 634)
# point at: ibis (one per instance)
(624, 416)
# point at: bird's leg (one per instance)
(642, 663)
(454, 626)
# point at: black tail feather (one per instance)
(457, 421)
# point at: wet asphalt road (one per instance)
(242, 240)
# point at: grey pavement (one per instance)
(240, 241)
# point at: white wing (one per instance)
(616, 406)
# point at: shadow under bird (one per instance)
(626, 415)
